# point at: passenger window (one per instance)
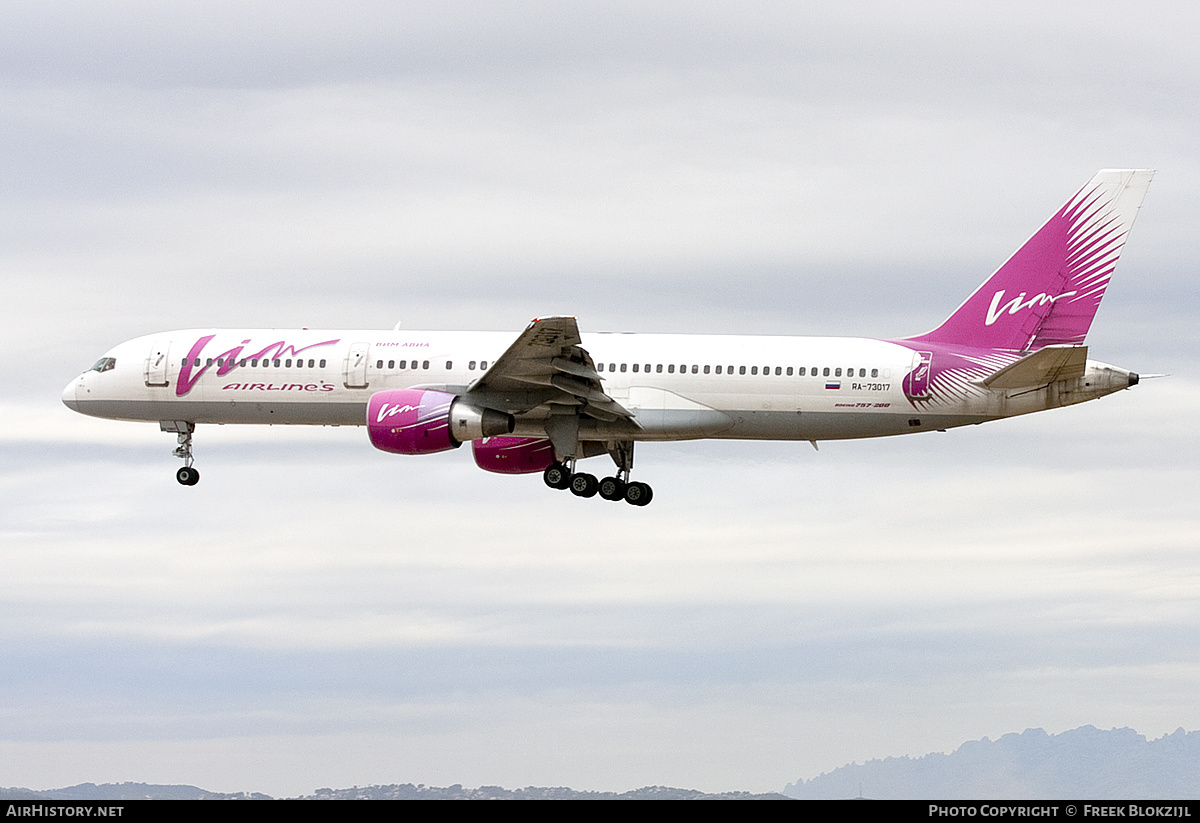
(483, 365)
(779, 371)
(789, 371)
(837, 372)
(322, 364)
(378, 364)
(825, 371)
(754, 369)
(874, 372)
(718, 369)
(449, 365)
(425, 364)
(658, 368)
(635, 367)
(800, 372)
(706, 369)
(391, 364)
(622, 368)
(741, 369)
(670, 368)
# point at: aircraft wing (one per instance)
(548, 364)
(1041, 368)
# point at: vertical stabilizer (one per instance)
(1048, 291)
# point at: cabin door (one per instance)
(355, 372)
(917, 381)
(156, 364)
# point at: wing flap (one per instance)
(550, 356)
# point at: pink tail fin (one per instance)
(1049, 290)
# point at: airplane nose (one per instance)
(68, 395)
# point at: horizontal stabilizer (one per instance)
(1043, 367)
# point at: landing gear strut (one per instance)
(188, 475)
(563, 476)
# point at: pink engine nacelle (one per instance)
(513, 455)
(422, 421)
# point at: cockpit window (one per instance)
(104, 364)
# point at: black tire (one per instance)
(557, 476)
(638, 494)
(612, 488)
(188, 476)
(584, 485)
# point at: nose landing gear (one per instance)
(188, 475)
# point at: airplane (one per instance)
(555, 395)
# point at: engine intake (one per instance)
(423, 421)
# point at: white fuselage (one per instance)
(676, 386)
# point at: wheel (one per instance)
(638, 494)
(612, 488)
(188, 476)
(557, 476)
(584, 485)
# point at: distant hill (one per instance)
(407, 791)
(395, 791)
(125, 791)
(1082, 763)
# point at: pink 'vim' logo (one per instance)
(1015, 305)
(385, 411)
(229, 360)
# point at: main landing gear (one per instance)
(560, 476)
(189, 475)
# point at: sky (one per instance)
(317, 613)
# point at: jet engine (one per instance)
(513, 455)
(423, 421)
